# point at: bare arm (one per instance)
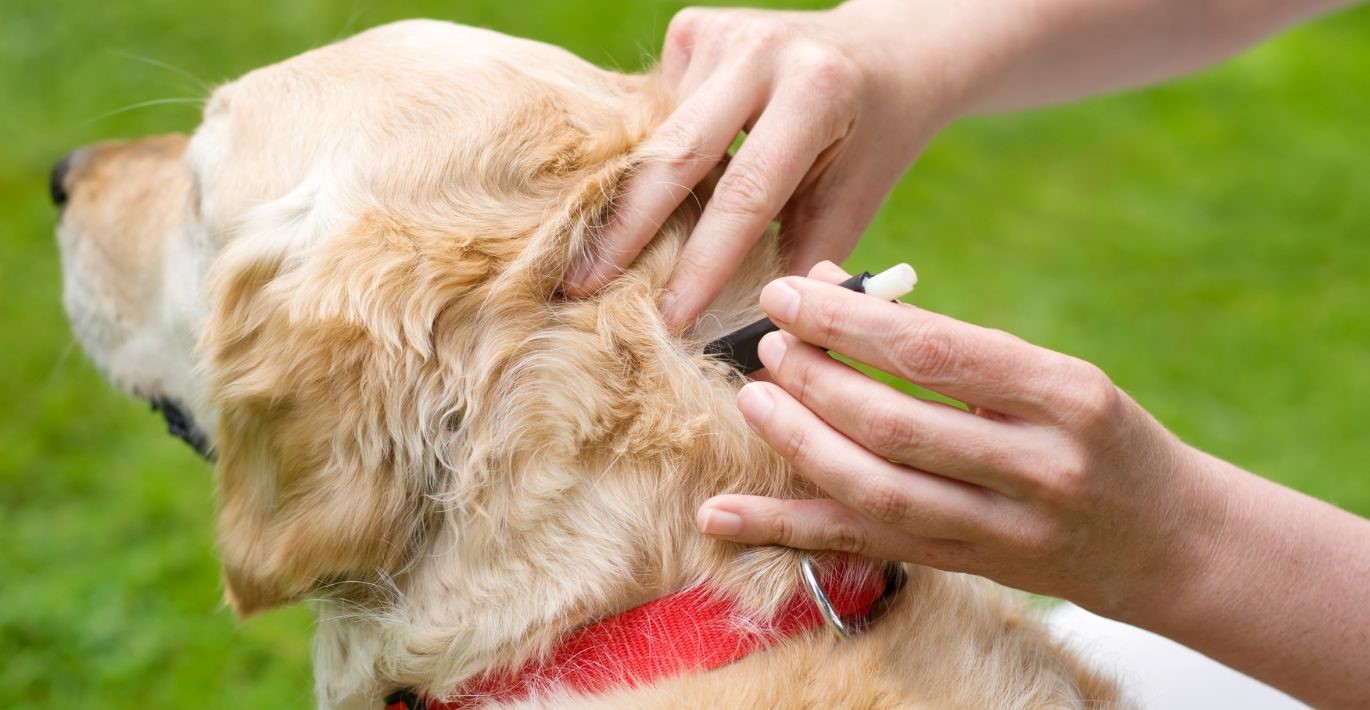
(1055, 482)
(1027, 53)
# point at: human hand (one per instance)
(832, 119)
(837, 104)
(1055, 481)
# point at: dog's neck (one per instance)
(592, 471)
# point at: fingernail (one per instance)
(666, 304)
(755, 402)
(780, 301)
(720, 522)
(772, 350)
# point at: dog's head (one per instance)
(347, 279)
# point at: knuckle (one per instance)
(925, 352)
(795, 445)
(742, 191)
(1093, 399)
(1062, 482)
(783, 531)
(1043, 542)
(766, 32)
(685, 21)
(884, 502)
(682, 143)
(889, 431)
(1027, 466)
(680, 33)
(826, 318)
(845, 537)
(830, 72)
(802, 376)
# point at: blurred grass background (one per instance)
(1204, 242)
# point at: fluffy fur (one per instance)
(416, 432)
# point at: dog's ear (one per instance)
(333, 407)
(301, 506)
(582, 163)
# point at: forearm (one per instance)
(1281, 591)
(1010, 54)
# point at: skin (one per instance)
(838, 104)
(1051, 479)
(827, 139)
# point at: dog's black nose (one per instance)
(57, 183)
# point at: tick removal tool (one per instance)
(738, 348)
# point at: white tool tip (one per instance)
(891, 283)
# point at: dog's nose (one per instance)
(57, 184)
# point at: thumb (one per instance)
(804, 524)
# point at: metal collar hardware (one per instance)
(895, 579)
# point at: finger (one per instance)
(759, 376)
(914, 501)
(938, 439)
(825, 220)
(680, 153)
(979, 366)
(828, 272)
(678, 48)
(760, 178)
(822, 524)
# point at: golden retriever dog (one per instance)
(344, 287)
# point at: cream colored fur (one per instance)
(416, 432)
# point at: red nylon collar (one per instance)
(689, 631)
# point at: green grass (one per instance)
(1205, 243)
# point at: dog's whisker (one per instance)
(354, 14)
(203, 85)
(646, 56)
(61, 362)
(145, 104)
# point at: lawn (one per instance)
(1207, 243)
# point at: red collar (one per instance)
(689, 631)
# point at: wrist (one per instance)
(1206, 539)
(1182, 550)
(1271, 584)
(913, 55)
